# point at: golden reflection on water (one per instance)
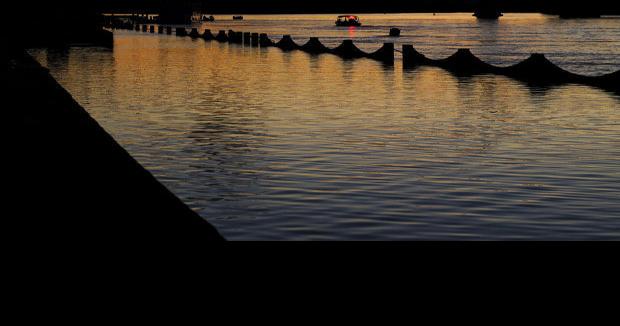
(274, 145)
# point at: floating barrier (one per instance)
(384, 54)
(287, 44)
(207, 35)
(348, 50)
(264, 41)
(394, 32)
(315, 46)
(194, 33)
(536, 69)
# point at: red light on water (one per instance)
(351, 31)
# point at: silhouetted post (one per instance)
(221, 36)
(411, 57)
(169, 30)
(246, 38)
(239, 37)
(231, 36)
(181, 31)
(254, 39)
(152, 29)
(264, 40)
(208, 35)
(144, 28)
(137, 27)
(385, 53)
(194, 33)
(160, 29)
(394, 32)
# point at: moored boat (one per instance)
(198, 17)
(488, 13)
(348, 20)
(487, 9)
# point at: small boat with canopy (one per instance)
(348, 20)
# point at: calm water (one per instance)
(273, 145)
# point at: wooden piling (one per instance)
(411, 57)
(207, 35)
(181, 31)
(264, 40)
(231, 36)
(221, 36)
(394, 32)
(385, 53)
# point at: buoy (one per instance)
(394, 32)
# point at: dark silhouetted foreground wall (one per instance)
(73, 185)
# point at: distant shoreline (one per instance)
(129, 11)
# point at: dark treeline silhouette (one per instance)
(45, 23)
(69, 18)
(330, 6)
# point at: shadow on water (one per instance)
(58, 58)
(536, 88)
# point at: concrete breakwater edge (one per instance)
(74, 185)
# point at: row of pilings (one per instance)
(346, 50)
(534, 70)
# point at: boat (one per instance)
(487, 10)
(488, 14)
(237, 17)
(197, 17)
(348, 20)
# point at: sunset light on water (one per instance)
(268, 144)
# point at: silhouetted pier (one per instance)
(101, 199)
